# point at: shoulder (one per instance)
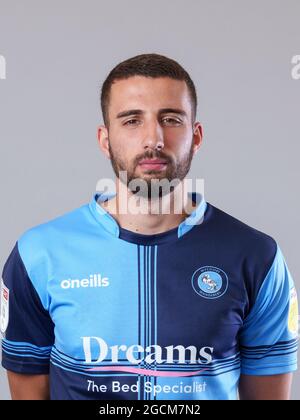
(249, 251)
(38, 242)
(45, 233)
(253, 242)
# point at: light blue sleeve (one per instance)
(269, 336)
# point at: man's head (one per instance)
(149, 108)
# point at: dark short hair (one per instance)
(148, 65)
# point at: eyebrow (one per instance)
(161, 111)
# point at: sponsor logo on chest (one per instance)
(93, 281)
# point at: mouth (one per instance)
(153, 164)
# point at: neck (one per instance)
(140, 215)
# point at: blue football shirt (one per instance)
(114, 314)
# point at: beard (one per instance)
(153, 183)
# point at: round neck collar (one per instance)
(109, 223)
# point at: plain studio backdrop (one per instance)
(239, 54)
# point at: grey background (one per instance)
(237, 52)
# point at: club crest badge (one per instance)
(210, 282)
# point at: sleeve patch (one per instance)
(293, 312)
(4, 308)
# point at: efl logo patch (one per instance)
(210, 282)
(4, 307)
(293, 312)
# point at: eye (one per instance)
(172, 120)
(129, 121)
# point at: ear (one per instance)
(102, 137)
(197, 136)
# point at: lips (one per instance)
(153, 164)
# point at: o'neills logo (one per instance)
(136, 354)
(94, 280)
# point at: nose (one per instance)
(153, 137)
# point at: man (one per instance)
(101, 303)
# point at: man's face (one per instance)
(154, 140)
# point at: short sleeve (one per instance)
(26, 326)
(269, 336)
